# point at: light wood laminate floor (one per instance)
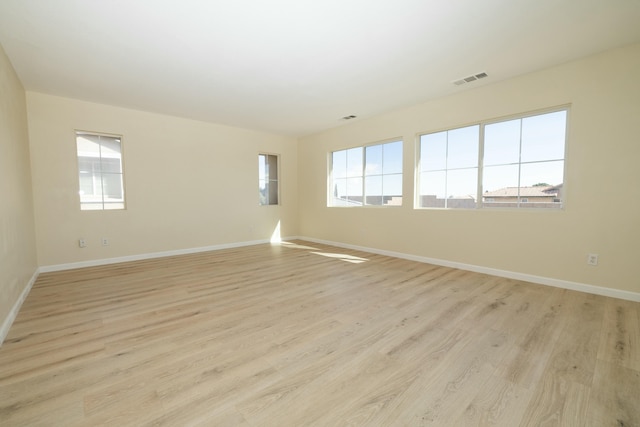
(303, 334)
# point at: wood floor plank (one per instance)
(500, 403)
(614, 396)
(303, 333)
(620, 341)
(570, 365)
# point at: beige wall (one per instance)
(188, 184)
(18, 260)
(602, 213)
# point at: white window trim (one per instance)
(278, 158)
(482, 124)
(364, 146)
(78, 132)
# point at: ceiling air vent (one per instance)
(470, 79)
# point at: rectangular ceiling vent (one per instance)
(470, 78)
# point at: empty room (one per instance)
(328, 213)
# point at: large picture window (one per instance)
(516, 163)
(100, 171)
(368, 175)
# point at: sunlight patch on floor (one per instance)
(342, 257)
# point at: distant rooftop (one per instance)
(536, 191)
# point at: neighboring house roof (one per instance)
(538, 191)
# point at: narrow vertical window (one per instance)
(100, 171)
(268, 179)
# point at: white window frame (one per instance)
(102, 204)
(521, 204)
(363, 175)
(268, 179)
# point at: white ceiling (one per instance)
(294, 66)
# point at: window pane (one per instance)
(543, 137)
(262, 167)
(432, 189)
(88, 145)
(88, 164)
(262, 192)
(544, 173)
(272, 167)
(111, 165)
(392, 185)
(112, 187)
(109, 147)
(273, 192)
(433, 151)
(392, 189)
(339, 192)
(93, 192)
(373, 157)
(502, 143)
(392, 153)
(354, 190)
(497, 177)
(500, 185)
(462, 187)
(373, 190)
(339, 164)
(354, 162)
(462, 147)
(86, 184)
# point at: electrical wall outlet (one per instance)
(105, 241)
(82, 243)
(592, 259)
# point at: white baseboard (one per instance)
(548, 281)
(105, 261)
(8, 321)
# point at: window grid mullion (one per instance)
(446, 170)
(519, 162)
(363, 175)
(101, 175)
(382, 176)
(479, 202)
